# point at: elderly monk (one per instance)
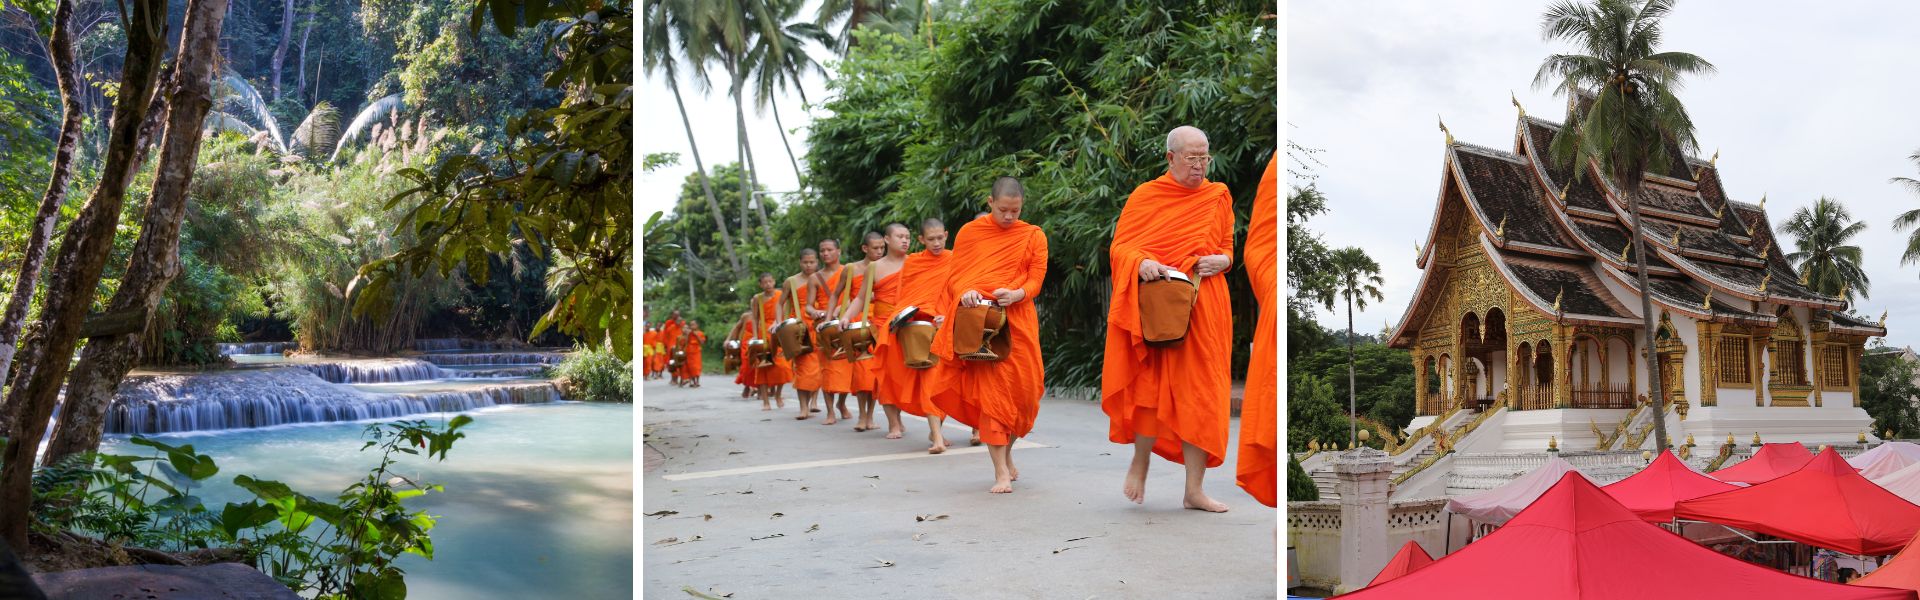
(858, 286)
(691, 368)
(1002, 262)
(885, 299)
(1174, 400)
(773, 378)
(740, 333)
(923, 280)
(1257, 470)
(796, 292)
(836, 374)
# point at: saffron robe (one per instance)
(670, 336)
(1000, 398)
(807, 372)
(691, 368)
(780, 373)
(859, 374)
(1256, 469)
(1180, 393)
(742, 333)
(923, 280)
(837, 373)
(880, 307)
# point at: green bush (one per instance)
(1299, 484)
(596, 375)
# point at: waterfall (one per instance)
(464, 345)
(257, 348)
(496, 358)
(378, 370)
(251, 398)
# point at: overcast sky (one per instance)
(1809, 101)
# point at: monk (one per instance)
(1173, 401)
(796, 292)
(885, 299)
(858, 287)
(652, 346)
(741, 332)
(1003, 262)
(670, 331)
(695, 340)
(923, 279)
(836, 374)
(771, 379)
(1257, 468)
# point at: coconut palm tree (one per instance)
(730, 28)
(670, 30)
(1622, 114)
(856, 14)
(1827, 263)
(1356, 278)
(320, 130)
(781, 61)
(1907, 219)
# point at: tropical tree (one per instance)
(670, 30)
(60, 51)
(1356, 278)
(1827, 263)
(851, 14)
(1908, 218)
(731, 29)
(780, 61)
(1622, 113)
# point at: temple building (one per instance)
(1526, 327)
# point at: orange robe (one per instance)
(670, 336)
(692, 367)
(1000, 398)
(1257, 469)
(1181, 393)
(650, 351)
(837, 374)
(780, 373)
(886, 293)
(807, 371)
(923, 280)
(860, 374)
(747, 376)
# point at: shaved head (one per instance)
(1188, 156)
(932, 223)
(1008, 187)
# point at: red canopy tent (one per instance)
(1773, 460)
(1409, 559)
(1825, 504)
(1901, 574)
(1652, 492)
(1576, 542)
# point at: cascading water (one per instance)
(376, 370)
(252, 398)
(257, 348)
(464, 345)
(495, 358)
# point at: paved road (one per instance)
(847, 503)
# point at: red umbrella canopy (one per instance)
(1576, 542)
(1773, 460)
(1902, 574)
(1409, 559)
(1826, 504)
(1652, 492)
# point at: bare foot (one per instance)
(1196, 501)
(974, 442)
(937, 449)
(1013, 471)
(765, 408)
(894, 434)
(830, 419)
(1136, 486)
(845, 414)
(1001, 486)
(800, 418)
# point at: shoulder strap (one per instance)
(866, 292)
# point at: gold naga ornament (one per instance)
(1443, 129)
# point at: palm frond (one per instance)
(373, 114)
(321, 129)
(233, 90)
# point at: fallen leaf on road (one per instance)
(701, 435)
(1066, 549)
(745, 492)
(803, 488)
(661, 513)
(735, 452)
(1085, 538)
(815, 527)
(777, 515)
(668, 540)
(917, 536)
(883, 564)
(707, 517)
(930, 518)
(769, 537)
(871, 476)
(665, 542)
(696, 593)
(1106, 454)
(786, 480)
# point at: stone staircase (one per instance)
(1324, 478)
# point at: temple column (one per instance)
(1562, 366)
(1857, 351)
(1420, 383)
(1816, 353)
(1709, 362)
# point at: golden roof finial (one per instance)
(1557, 298)
(1766, 249)
(1846, 289)
(1706, 303)
(1516, 103)
(1676, 238)
(1883, 319)
(1763, 200)
(1764, 281)
(1716, 157)
(1805, 275)
(1623, 251)
(1564, 189)
(1443, 129)
(1501, 232)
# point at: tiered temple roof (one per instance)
(1559, 240)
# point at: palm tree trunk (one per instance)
(1646, 322)
(76, 271)
(300, 83)
(60, 48)
(740, 145)
(280, 52)
(155, 259)
(753, 181)
(783, 138)
(1353, 404)
(713, 206)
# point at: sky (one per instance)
(712, 115)
(1807, 102)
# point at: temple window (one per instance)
(1736, 355)
(1833, 367)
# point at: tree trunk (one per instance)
(753, 183)
(713, 206)
(1353, 405)
(280, 52)
(740, 144)
(783, 138)
(300, 83)
(60, 48)
(76, 270)
(155, 259)
(1646, 321)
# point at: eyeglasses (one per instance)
(1197, 160)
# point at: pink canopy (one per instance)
(1904, 483)
(1652, 492)
(1885, 459)
(1901, 574)
(1497, 505)
(1410, 558)
(1577, 543)
(1773, 460)
(1826, 504)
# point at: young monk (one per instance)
(836, 373)
(740, 333)
(670, 332)
(649, 341)
(771, 379)
(1003, 261)
(695, 340)
(1173, 401)
(796, 293)
(885, 299)
(859, 288)
(923, 279)
(1257, 468)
